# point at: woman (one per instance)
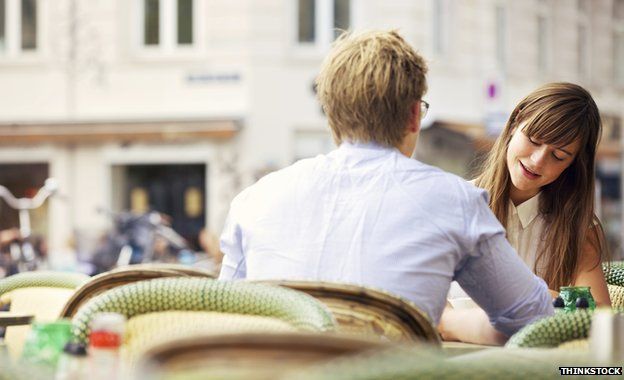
(540, 177)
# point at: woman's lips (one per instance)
(527, 173)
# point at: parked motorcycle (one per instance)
(138, 238)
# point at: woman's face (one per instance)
(533, 164)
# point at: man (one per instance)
(368, 214)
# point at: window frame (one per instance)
(167, 33)
(13, 50)
(442, 29)
(501, 36)
(323, 24)
(618, 33)
(544, 59)
(583, 58)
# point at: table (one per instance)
(8, 318)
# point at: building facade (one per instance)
(179, 104)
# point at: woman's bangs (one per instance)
(553, 129)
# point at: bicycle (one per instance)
(23, 251)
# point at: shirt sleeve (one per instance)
(233, 265)
(496, 278)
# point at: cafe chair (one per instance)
(614, 272)
(370, 312)
(122, 276)
(407, 362)
(41, 294)
(180, 268)
(257, 355)
(553, 331)
(616, 294)
(282, 309)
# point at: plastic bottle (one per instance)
(73, 363)
(105, 341)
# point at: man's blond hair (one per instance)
(367, 86)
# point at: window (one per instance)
(583, 40)
(151, 23)
(185, 22)
(442, 13)
(319, 22)
(543, 38)
(501, 37)
(19, 30)
(618, 41)
(2, 25)
(167, 24)
(29, 24)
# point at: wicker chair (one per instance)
(616, 293)
(181, 268)
(125, 275)
(614, 272)
(370, 312)
(418, 363)
(41, 294)
(247, 355)
(553, 331)
(191, 299)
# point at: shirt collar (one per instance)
(527, 210)
(355, 152)
(363, 146)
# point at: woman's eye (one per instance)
(533, 141)
(558, 158)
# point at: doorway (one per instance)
(176, 190)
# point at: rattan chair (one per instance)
(176, 307)
(616, 294)
(614, 272)
(247, 355)
(554, 331)
(125, 275)
(41, 294)
(181, 268)
(370, 312)
(417, 363)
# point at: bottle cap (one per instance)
(75, 348)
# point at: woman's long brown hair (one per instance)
(556, 114)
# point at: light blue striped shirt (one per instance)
(368, 215)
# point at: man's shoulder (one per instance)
(442, 182)
(282, 179)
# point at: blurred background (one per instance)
(176, 105)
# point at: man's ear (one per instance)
(414, 123)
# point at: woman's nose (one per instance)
(539, 156)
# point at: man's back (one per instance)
(362, 214)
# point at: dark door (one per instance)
(175, 190)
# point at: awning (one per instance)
(483, 142)
(20, 133)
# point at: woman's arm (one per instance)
(590, 272)
(469, 325)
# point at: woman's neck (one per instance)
(518, 196)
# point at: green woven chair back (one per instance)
(554, 330)
(614, 272)
(199, 294)
(48, 279)
(416, 363)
